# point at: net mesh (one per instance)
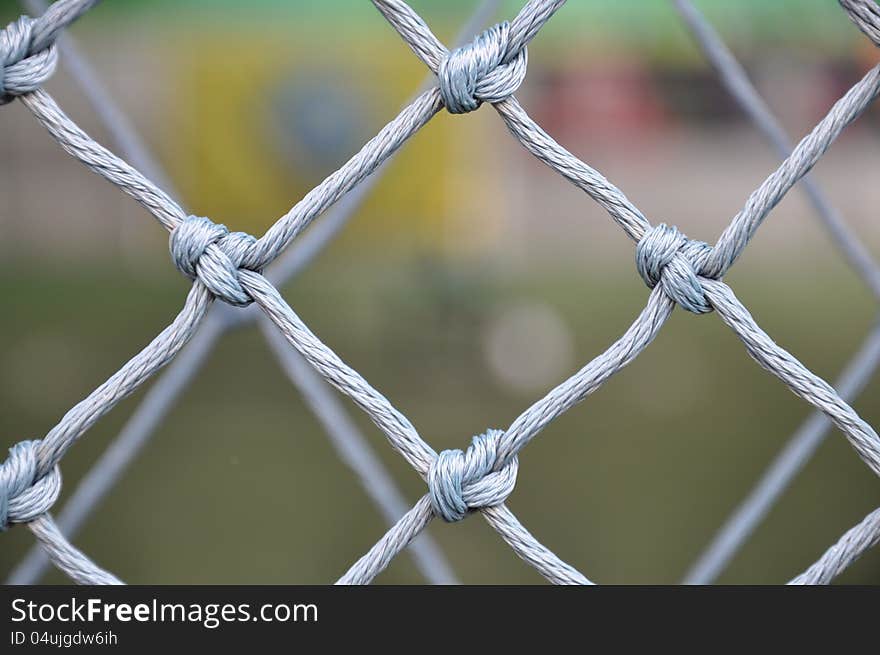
(243, 272)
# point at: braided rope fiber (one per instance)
(243, 271)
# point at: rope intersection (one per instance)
(238, 269)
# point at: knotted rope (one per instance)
(459, 482)
(477, 72)
(667, 257)
(207, 251)
(22, 69)
(24, 496)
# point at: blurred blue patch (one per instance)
(317, 120)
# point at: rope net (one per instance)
(243, 271)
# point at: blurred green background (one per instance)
(471, 282)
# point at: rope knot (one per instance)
(207, 251)
(23, 71)
(23, 497)
(666, 256)
(481, 71)
(462, 481)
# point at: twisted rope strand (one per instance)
(100, 160)
(795, 375)
(124, 382)
(742, 228)
(401, 434)
(427, 47)
(67, 557)
(573, 390)
(377, 559)
(851, 546)
(788, 463)
(111, 116)
(529, 549)
(57, 17)
(109, 468)
(412, 118)
(356, 453)
(866, 15)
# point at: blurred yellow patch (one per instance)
(258, 127)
